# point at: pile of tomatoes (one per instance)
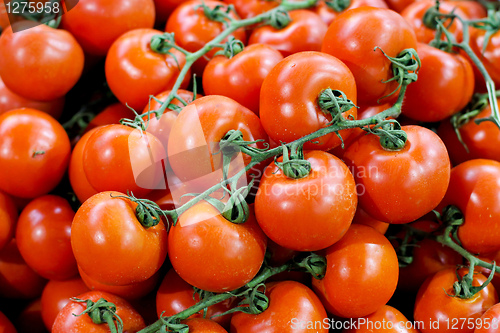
(102, 227)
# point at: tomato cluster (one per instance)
(168, 164)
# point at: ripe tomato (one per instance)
(241, 77)
(163, 9)
(445, 85)
(399, 5)
(247, 9)
(490, 57)
(439, 311)
(34, 152)
(389, 319)
(96, 24)
(8, 219)
(328, 14)
(134, 71)
(290, 111)
(292, 306)
(202, 234)
(489, 321)
(473, 9)
(361, 274)
(79, 183)
(39, 63)
(326, 199)
(400, 186)
(112, 114)
(108, 240)
(362, 217)
(43, 237)
(56, 295)
(68, 321)
(475, 190)
(108, 162)
(5, 324)
(200, 325)
(193, 29)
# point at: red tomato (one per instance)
(163, 9)
(353, 36)
(96, 24)
(389, 319)
(399, 5)
(400, 186)
(444, 87)
(112, 114)
(362, 217)
(202, 234)
(34, 153)
(292, 306)
(241, 77)
(328, 14)
(247, 9)
(489, 321)
(5, 324)
(200, 325)
(8, 219)
(67, 320)
(473, 9)
(361, 274)
(46, 63)
(446, 313)
(134, 71)
(43, 237)
(108, 240)
(289, 98)
(490, 57)
(56, 295)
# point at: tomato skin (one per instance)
(328, 15)
(353, 36)
(107, 240)
(305, 32)
(326, 199)
(96, 24)
(474, 189)
(79, 182)
(290, 304)
(5, 324)
(444, 87)
(399, 5)
(491, 316)
(8, 219)
(247, 9)
(362, 217)
(46, 65)
(434, 305)
(391, 321)
(349, 288)
(473, 9)
(22, 133)
(66, 322)
(193, 29)
(163, 9)
(202, 234)
(291, 113)
(489, 58)
(134, 71)
(200, 325)
(112, 114)
(56, 295)
(400, 186)
(241, 77)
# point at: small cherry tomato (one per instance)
(8, 219)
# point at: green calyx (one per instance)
(102, 312)
(334, 103)
(148, 212)
(392, 137)
(231, 48)
(338, 5)
(464, 288)
(279, 19)
(293, 165)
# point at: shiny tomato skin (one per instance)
(361, 274)
(96, 24)
(444, 87)
(34, 152)
(46, 63)
(473, 9)
(112, 114)
(202, 234)
(134, 71)
(79, 182)
(400, 186)
(433, 303)
(489, 58)
(389, 319)
(490, 320)
(326, 199)
(8, 219)
(201, 325)
(247, 9)
(290, 111)
(108, 240)
(361, 217)
(353, 36)
(327, 14)
(241, 77)
(67, 322)
(6, 325)
(399, 5)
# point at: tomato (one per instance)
(195, 136)
(108, 240)
(400, 186)
(241, 77)
(46, 63)
(489, 321)
(176, 295)
(163, 9)
(43, 237)
(193, 29)
(434, 305)
(475, 189)
(96, 24)
(289, 106)
(489, 258)
(444, 87)
(30, 319)
(473, 9)
(112, 114)
(305, 32)
(68, 321)
(292, 306)
(361, 273)
(361, 217)
(328, 14)
(353, 37)
(389, 319)
(56, 295)
(17, 279)
(10, 101)
(247, 9)
(134, 71)
(5, 324)
(200, 325)
(8, 219)
(34, 152)
(399, 5)
(108, 162)
(326, 199)
(490, 57)
(202, 234)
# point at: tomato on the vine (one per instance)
(329, 14)
(389, 319)
(489, 321)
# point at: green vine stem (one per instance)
(101, 312)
